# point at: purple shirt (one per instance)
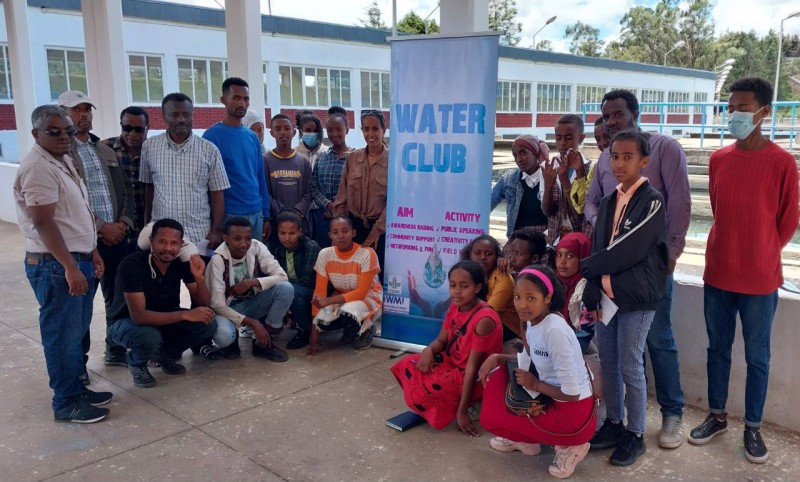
(667, 172)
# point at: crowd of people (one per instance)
(294, 237)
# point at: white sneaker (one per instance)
(671, 436)
(505, 445)
(567, 458)
(246, 332)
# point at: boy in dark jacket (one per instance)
(628, 265)
(297, 253)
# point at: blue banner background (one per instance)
(440, 169)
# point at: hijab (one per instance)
(580, 246)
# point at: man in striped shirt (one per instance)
(184, 175)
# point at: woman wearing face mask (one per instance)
(309, 128)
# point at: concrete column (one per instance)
(464, 16)
(243, 30)
(21, 60)
(105, 63)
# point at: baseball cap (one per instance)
(71, 98)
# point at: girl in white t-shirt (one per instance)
(570, 418)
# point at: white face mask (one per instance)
(740, 124)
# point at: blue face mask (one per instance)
(311, 140)
(740, 124)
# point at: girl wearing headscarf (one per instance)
(571, 249)
(255, 122)
(523, 188)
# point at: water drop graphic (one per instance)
(434, 269)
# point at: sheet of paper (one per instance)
(608, 307)
(524, 362)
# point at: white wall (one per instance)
(8, 173)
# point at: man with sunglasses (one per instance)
(61, 262)
(100, 170)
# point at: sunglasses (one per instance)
(136, 129)
(58, 132)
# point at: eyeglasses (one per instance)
(136, 129)
(58, 132)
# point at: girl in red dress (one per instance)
(440, 383)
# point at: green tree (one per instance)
(544, 45)
(374, 17)
(503, 19)
(413, 23)
(585, 40)
(696, 29)
(651, 33)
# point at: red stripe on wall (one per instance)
(514, 120)
(8, 121)
(547, 120)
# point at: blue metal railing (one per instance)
(709, 113)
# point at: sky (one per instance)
(728, 15)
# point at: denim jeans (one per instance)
(149, 342)
(63, 320)
(320, 227)
(301, 306)
(256, 222)
(664, 357)
(621, 346)
(112, 257)
(756, 313)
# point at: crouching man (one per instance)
(148, 318)
(248, 288)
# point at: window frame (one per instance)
(329, 86)
(147, 77)
(505, 89)
(210, 86)
(383, 78)
(7, 62)
(675, 109)
(650, 109)
(579, 100)
(65, 51)
(553, 104)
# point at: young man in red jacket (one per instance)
(754, 197)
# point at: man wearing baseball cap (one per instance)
(100, 170)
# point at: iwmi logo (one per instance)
(396, 304)
(395, 286)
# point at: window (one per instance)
(313, 86)
(651, 96)
(678, 97)
(5, 74)
(147, 78)
(201, 78)
(67, 71)
(590, 94)
(375, 90)
(554, 97)
(513, 96)
(265, 70)
(700, 97)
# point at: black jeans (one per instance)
(362, 231)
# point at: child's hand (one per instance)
(488, 365)
(504, 265)
(549, 172)
(425, 361)
(526, 379)
(465, 425)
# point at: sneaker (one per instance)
(171, 367)
(567, 458)
(81, 411)
(271, 353)
(96, 398)
(210, 352)
(115, 360)
(504, 445)
(754, 448)
(246, 332)
(300, 340)
(142, 377)
(232, 351)
(631, 447)
(84, 378)
(710, 428)
(349, 335)
(671, 436)
(364, 340)
(610, 435)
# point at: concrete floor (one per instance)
(308, 419)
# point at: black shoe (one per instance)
(81, 411)
(364, 340)
(609, 435)
(300, 340)
(232, 351)
(84, 378)
(349, 334)
(754, 448)
(115, 360)
(96, 398)
(210, 352)
(142, 377)
(631, 447)
(170, 366)
(271, 353)
(710, 428)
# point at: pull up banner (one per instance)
(440, 173)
